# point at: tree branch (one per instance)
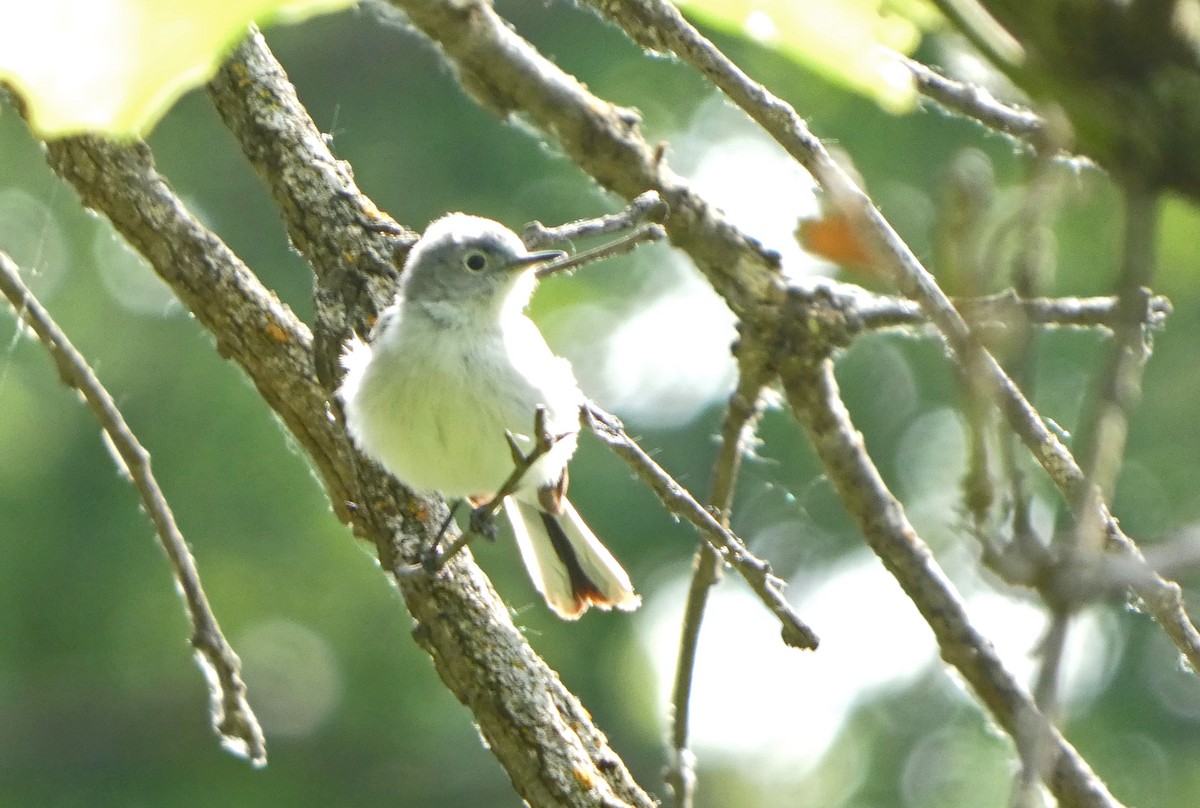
(543, 737)
(351, 245)
(658, 25)
(540, 733)
(645, 208)
(978, 104)
(999, 311)
(506, 75)
(232, 716)
(813, 395)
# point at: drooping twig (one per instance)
(232, 716)
(737, 432)
(680, 502)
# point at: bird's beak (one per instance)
(533, 258)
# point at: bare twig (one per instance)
(1025, 552)
(232, 716)
(640, 222)
(680, 502)
(1000, 310)
(647, 207)
(1119, 385)
(507, 76)
(1079, 577)
(737, 433)
(977, 103)
(975, 22)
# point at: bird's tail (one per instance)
(567, 563)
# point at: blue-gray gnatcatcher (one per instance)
(451, 367)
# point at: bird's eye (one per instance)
(475, 261)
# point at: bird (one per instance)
(453, 370)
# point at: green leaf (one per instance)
(116, 66)
(853, 43)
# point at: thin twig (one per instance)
(737, 433)
(508, 77)
(644, 234)
(975, 22)
(878, 312)
(1031, 270)
(977, 103)
(1078, 577)
(680, 502)
(232, 716)
(1119, 385)
(644, 208)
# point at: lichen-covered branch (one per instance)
(351, 245)
(543, 737)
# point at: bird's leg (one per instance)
(431, 559)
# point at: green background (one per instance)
(100, 702)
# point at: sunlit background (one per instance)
(100, 702)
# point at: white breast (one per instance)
(432, 404)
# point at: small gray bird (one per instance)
(451, 367)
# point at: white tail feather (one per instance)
(598, 579)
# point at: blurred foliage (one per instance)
(853, 43)
(100, 702)
(116, 66)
